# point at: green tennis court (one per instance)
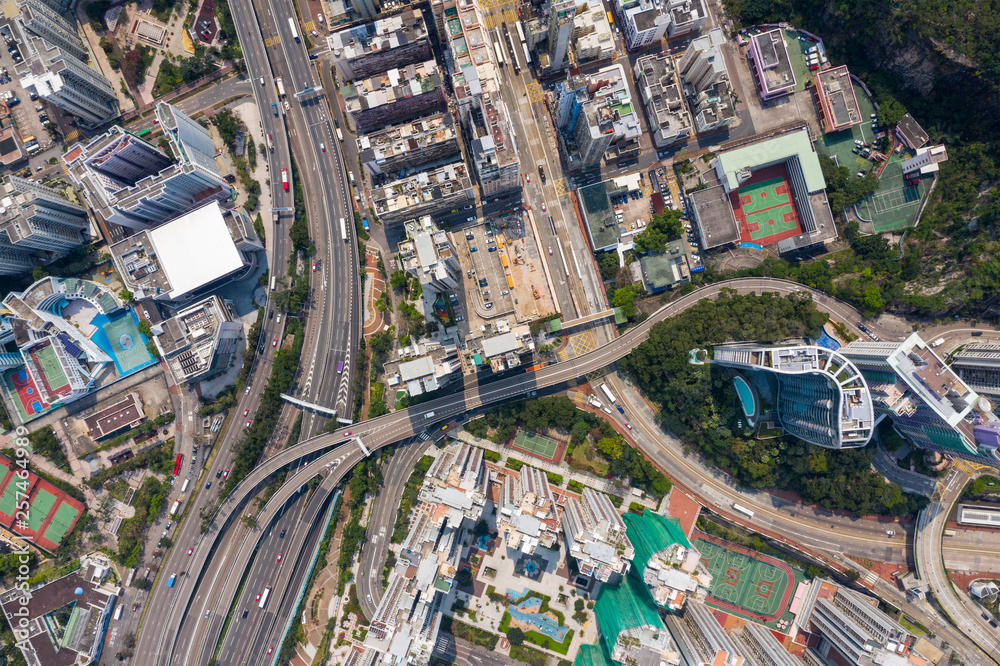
(8, 501)
(535, 444)
(767, 208)
(39, 509)
(61, 522)
(744, 582)
(51, 369)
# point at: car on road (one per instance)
(282, 535)
(218, 474)
(208, 485)
(347, 434)
(541, 174)
(207, 613)
(246, 412)
(135, 607)
(313, 56)
(550, 250)
(258, 597)
(270, 650)
(628, 425)
(544, 209)
(249, 421)
(620, 410)
(314, 267)
(190, 551)
(370, 599)
(527, 178)
(322, 148)
(460, 318)
(890, 533)
(225, 474)
(314, 33)
(274, 343)
(279, 558)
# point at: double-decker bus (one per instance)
(177, 465)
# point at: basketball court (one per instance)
(127, 345)
(24, 393)
(764, 209)
(744, 582)
(536, 445)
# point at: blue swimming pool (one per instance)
(747, 400)
(826, 341)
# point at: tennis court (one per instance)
(63, 520)
(534, 444)
(894, 205)
(753, 584)
(39, 509)
(52, 373)
(8, 500)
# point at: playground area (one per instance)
(539, 446)
(764, 208)
(748, 584)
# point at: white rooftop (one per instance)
(417, 368)
(195, 249)
(527, 524)
(500, 344)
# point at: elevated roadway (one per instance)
(390, 428)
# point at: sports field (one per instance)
(39, 509)
(534, 444)
(763, 205)
(746, 583)
(24, 394)
(45, 359)
(63, 519)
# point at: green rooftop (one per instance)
(624, 607)
(651, 533)
(776, 150)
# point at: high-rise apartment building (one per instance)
(394, 96)
(435, 191)
(413, 144)
(665, 560)
(644, 22)
(978, 365)
(36, 223)
(763, 649)
(926, 400)
(372, 48)
(199, 341)
(562, 13)
(701, 639)
(821, 397)
(55, 65)
(852, 629)
(129, 182)
(595, 536)
(429, 255)
(490, 143)
(594, 113)
(662, 94)
(630, 626)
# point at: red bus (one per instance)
(284, 179)
(177, 465)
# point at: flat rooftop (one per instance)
(836, 93)
(422, 187)
(385, 34)
(180, 256)
(125, 412)
(392, 86)
(421, 133)
(912, 132)
(771, 56)
(771, 151)
(936, 383)
(662, 95)
(713, 213)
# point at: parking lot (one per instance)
(487, 293)
(27, 114)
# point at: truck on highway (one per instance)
(747, 513)
(184, 487)
(343, 230)
(173, 579)
(938, 342)
(429, 415)
(364, 223)
(263, 598)
(270, 143)
(607, 392)
(173, 509)
(281, 86)
(340, 135)
(274, 107)
(293, 28)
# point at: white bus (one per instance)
(343, 230)
(129, 577)
(743, 510)
(118, 612)
(527, 54)
(607, 392)
(274, 282)
(184, 487)
(496, 47)
(263, 598)
(520, 31)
